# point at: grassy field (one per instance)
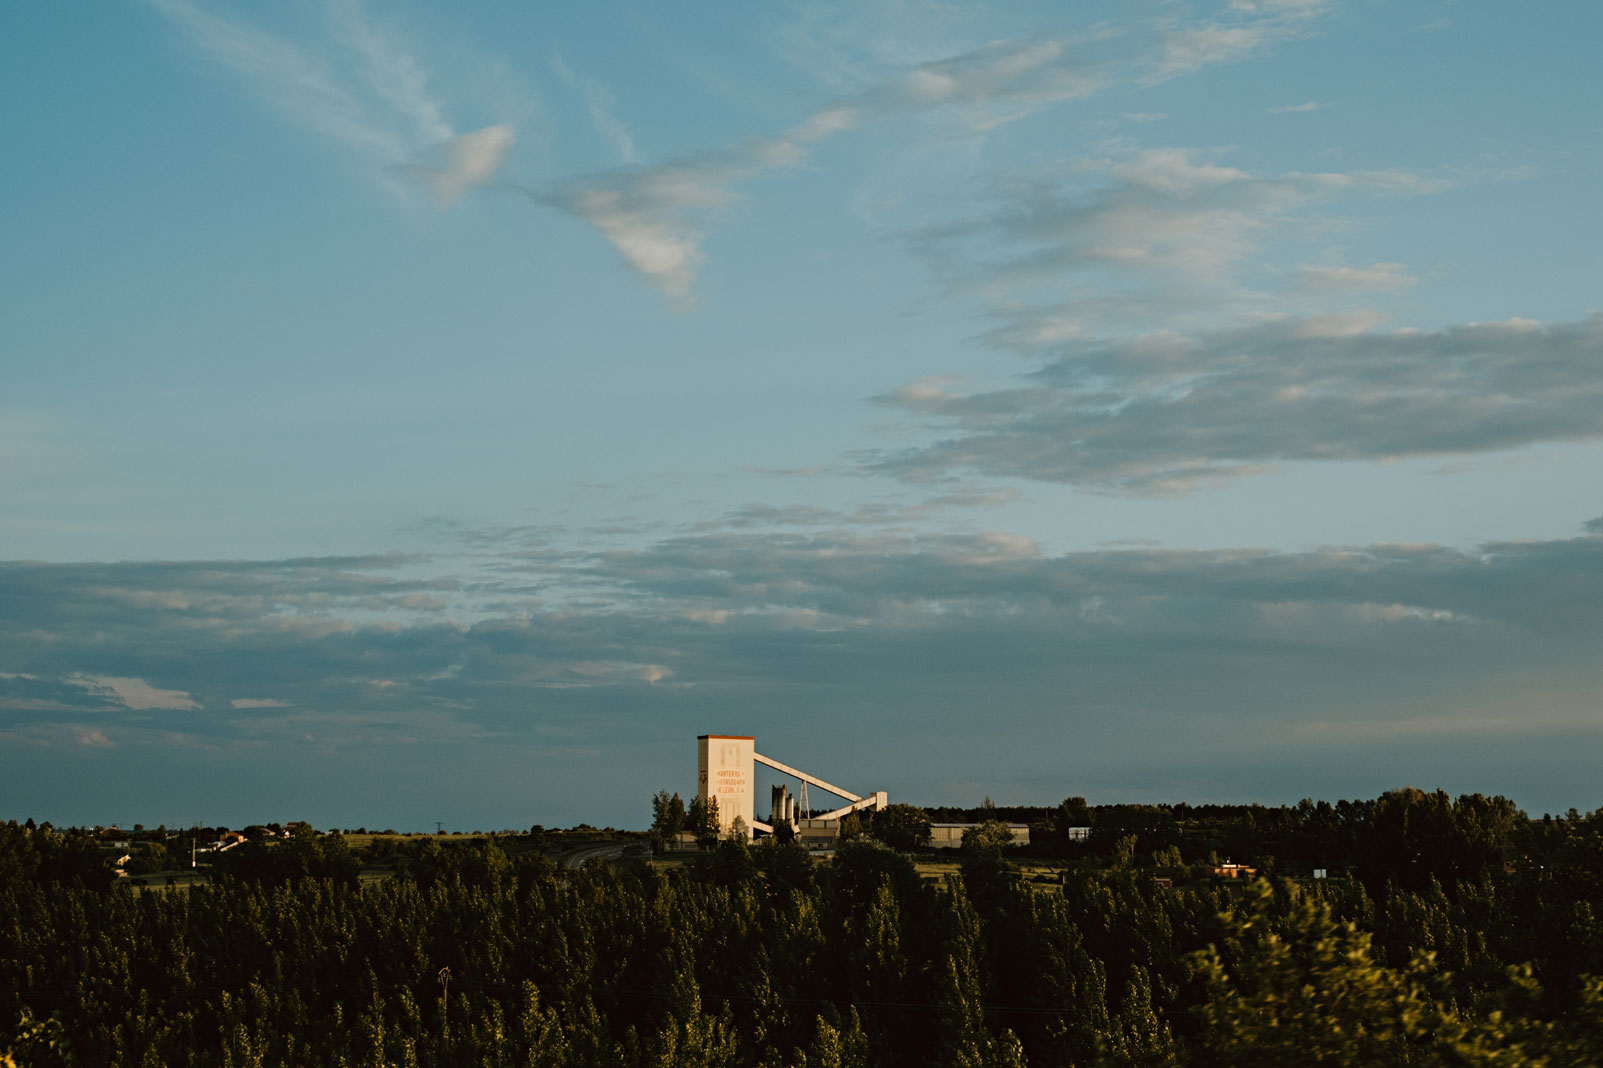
(364, 841)
(182, 879)
(1039, 873)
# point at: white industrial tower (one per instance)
(726, 766)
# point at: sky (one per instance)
(416, 413)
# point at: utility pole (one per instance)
(445, 1003)
(439, 827)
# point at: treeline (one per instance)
(29, 856)
(759, 956)
(1405, 834)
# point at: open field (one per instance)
(365, 840)
(182, 879)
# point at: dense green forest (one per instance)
(1450, 932)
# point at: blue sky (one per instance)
(412, 413)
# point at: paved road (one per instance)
(605, 851)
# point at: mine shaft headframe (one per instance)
(726, 764)
(856, 803)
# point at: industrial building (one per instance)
(950, 835)
(726, 766)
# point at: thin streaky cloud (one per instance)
(1230, 40)
(393, 73)
(1293, 109)
(599, 103)
(655, 216)
(380, 107)
(300, 85)
(1377, 276)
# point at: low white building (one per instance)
(950, 835)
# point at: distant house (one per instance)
(1231, 870)
(1077, 834)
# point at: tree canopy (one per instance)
(1482, 950)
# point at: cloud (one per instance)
(1378, 276)
(881, 514)
(648, 214)
(136, 694)
(1245, 30)
(88, 736)
(1175, 172)
(469, 160)
(656, 216)
(1205, 662)
(606, 671)
(306, 89)
(1165, 412)
(393, 74)
(1015, 74)
(1293, 8)
(367, 89)
(358, 85)
(1295, 109)
(1157, 236)
(599, 101)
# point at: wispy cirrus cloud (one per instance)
(601, 103)
(1297, 109)
(303, 87)
(1243, 29)
(656, 216)
(391, 71)
(1377, 276)
(359, 85)
(882, 514)
(366, 88)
